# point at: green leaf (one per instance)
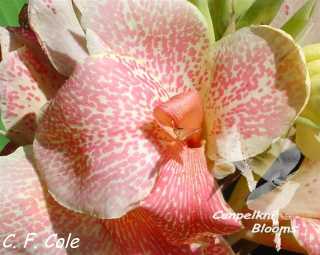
(1, 124)
(261, 12)
(241, 6)
(296, 25)
(203, 6)
(3, 142)
(9, 12)
(221, 12)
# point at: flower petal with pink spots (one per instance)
(98, 144)
(170, 35)
(185, 198)
(26, 82)
(137, 233)
(307, 233)
(260, 84)
(26, 207)
(59, 32)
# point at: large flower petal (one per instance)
(138, 233)
(59, 32)
(26, 82)
(26, 207)
(185, 197)
(98, 144)
(170, 35)
(307, 233)
(260, 83)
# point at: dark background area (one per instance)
(263, 250)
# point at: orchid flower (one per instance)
(121, 150)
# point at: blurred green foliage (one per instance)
(3, 140)
(261, 12)
(9, 12)
(298, 22)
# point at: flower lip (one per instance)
(182, 116)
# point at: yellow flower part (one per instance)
(308, 125)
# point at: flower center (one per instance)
(181, 116)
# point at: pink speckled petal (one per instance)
(59, 32)
(26, 82)
(260, 84)
(170, 35)
(307, 234)
(26, 207)
(138, 233)
(98, 144)
(185, 198)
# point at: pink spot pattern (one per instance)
(170, 36)
(256, 92)
(26, 82)
(185, 198)
(308, 234)
(103, 142)
(26, 207)
(138, 233)
(50, 5)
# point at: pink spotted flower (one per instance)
(121, 150)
